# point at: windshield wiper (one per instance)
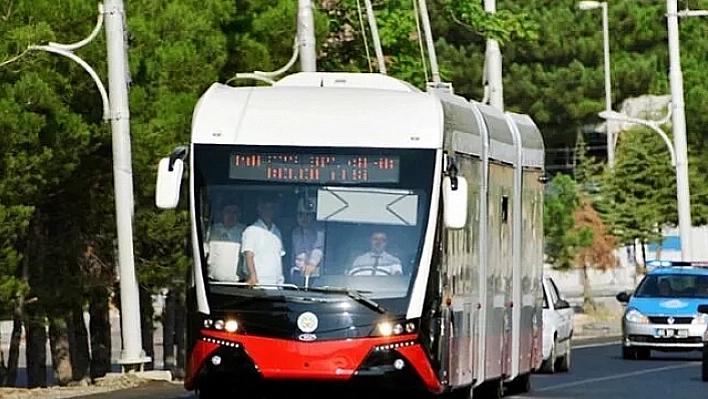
(246, 285)
(354, 294)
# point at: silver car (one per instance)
(662, 314)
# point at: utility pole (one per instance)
(493, 65)
(608, 83)
(679, 131)
(132, 354)
(306, 36)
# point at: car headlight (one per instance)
(700, 319)
(634, 316)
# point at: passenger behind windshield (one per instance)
(376, 262)
(226, 266)
(230, 227)
(308, 241)
(263, 246)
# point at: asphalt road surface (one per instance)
(597, 372)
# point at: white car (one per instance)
(557, 329)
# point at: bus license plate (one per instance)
(670, 333)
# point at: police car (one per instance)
(662, 312)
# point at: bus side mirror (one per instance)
(169, 180)
(455, 202)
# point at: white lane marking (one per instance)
(618, 376)
(597, 345)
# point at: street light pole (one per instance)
(306, 36)
(608, 83)
(679, 131)
(132, 353)
(115, 109)
(493, 68)
(593, 5)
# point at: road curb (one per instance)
(150, 375)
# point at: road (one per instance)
(597, 373)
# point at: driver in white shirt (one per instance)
(377, 262)
(262, 246)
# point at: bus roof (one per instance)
(335, 109)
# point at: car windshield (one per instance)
(679, 285)
(349, 220)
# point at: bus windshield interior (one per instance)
(333, 235)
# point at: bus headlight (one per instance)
(387, 329)
(231, 326)
(228, 325)
(634, 316)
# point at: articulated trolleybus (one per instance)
(424, 262)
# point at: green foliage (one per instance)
(504, 25)
(162, 258)
(563, 238)
(641, 189)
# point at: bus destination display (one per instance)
(315, 168)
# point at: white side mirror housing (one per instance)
(455, 202)
(168, 183)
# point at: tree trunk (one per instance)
(588, 302)
(147, 313)
(644, 256)
(36, 349)
(61, 351)
(80, 357)
(100, 327)
(13, 357)
(180, 333)
(659, 244)
(168, 332)
(3, 368)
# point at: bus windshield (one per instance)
(328, 219)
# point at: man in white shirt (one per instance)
(229, 229)
(262, 246)
(377, 262)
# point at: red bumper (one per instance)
(279, 359)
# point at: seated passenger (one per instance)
(664, 288)
(702, 289)
(376, 262)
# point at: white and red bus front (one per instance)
(370, 328)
